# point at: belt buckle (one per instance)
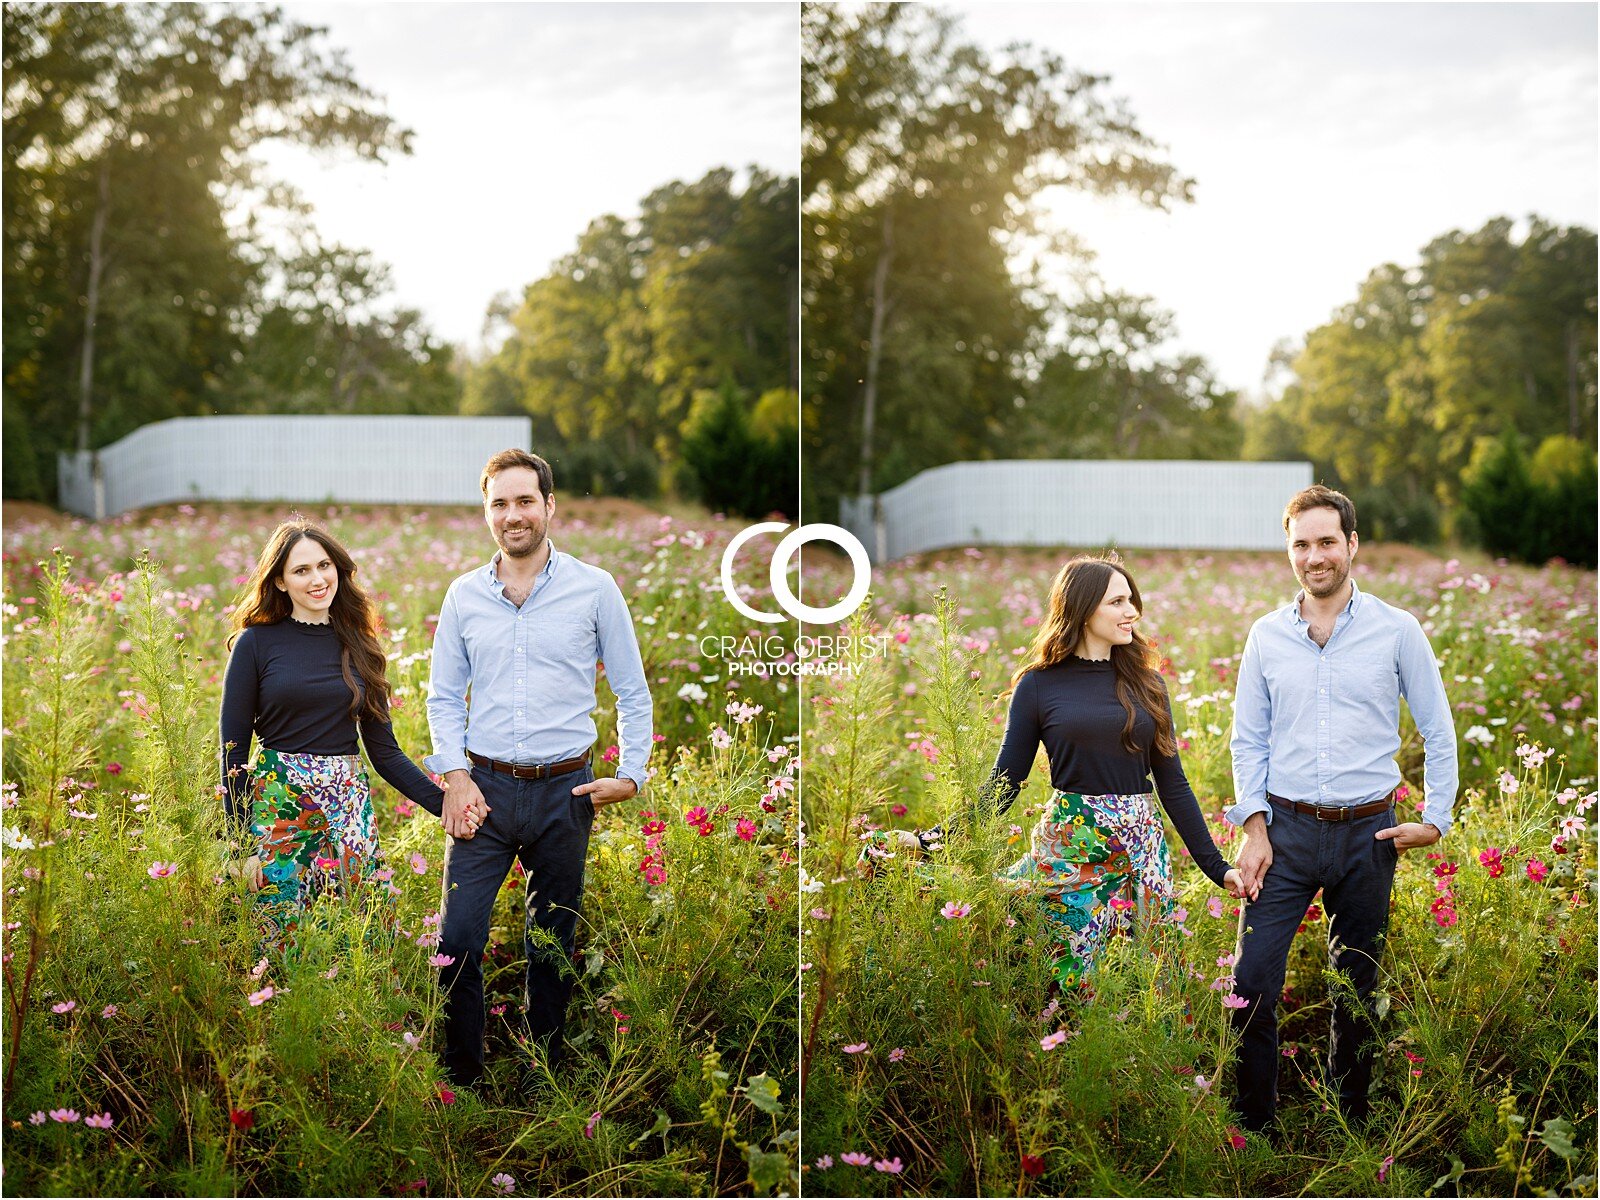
(1332, 812)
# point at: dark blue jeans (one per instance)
(1356, 874)
(541, 824)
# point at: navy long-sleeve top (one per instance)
(1073, 709)
(284, 686)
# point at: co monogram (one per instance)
(778, 572)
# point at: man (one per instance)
(1315, 731)
(522, 635)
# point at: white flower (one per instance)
(1479, 734)
(692, 692)
(808, 885)
(15, 839)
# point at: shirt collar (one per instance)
(491, 572)
(1349, 609)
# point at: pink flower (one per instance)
(103, 1121)
(1118, 904)
(441, 960)
(855, 1158)
(37, 1118)
(696, 815)
(655, 876)
(63, 1116)
(953, 911)
(1214, 906)
(588, 1129)
(896, 1054)
(824, 1162)
(113, 768)
(1052, 1040)
(746, 829)
(1537, 870)
(65, 1006)
(889, 1166)
(1491, 860)
(257, 999)
(1234, 1001)
(419, 864)
(260, 969)
(856, 1048)
(898, 810)
(1383, 1167)
(109, 1011)
(503, 1183)
(161, 870)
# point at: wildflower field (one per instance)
(151, 1049)
(934, 1059)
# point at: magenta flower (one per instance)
(855, 1158)
(588, 1129)
(1537, 870)
(161, 870)
(504, 1184)
(696, 815)
(746, 829)
(1383, 1167)
(953, 911)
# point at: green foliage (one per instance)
(1491, 334)
(1534, 513)
(330, 1086)
(609, 351)
(923, 155)
(731, 465)
(954, 1080)
(130, 131)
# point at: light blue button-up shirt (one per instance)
(517, 684)
(1322, 723)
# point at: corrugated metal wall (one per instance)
(346, 460)
(1138, 504)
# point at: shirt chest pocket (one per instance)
(1365, 677)
(564, 639)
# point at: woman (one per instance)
(1090, 691)
(306, 672)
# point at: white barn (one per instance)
(336, 459)
(1143, 504)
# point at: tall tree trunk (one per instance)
(1574, 405)
(97, 264)
(794, 335)
(869, 391)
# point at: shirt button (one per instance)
(1320, 691)
(1319, 722)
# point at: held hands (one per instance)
(1234, 883)
(464, 806)
(1255, 859)
(250, 871)
(602, 792)
(1409, 836)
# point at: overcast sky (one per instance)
(1324, 139)
(531, 120)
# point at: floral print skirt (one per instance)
(1098, 865)
(311, 815)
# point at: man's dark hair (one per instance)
(507, 459)
(1320, 496)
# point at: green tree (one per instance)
(923, 157)
(129, 129)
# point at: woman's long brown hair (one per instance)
(352, 614)
(1078, 589)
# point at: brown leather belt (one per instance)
(1334, 812)
(544, 771)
